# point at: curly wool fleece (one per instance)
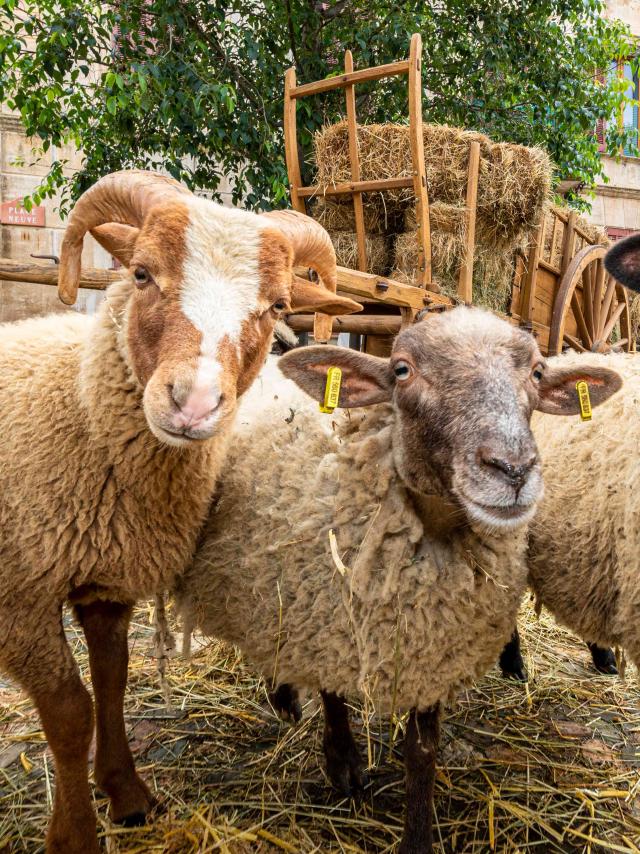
(584, 542)
(91, 504)
(412, 619)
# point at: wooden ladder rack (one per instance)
(356, 187)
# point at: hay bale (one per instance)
(377, 246)
(340, 216)
(514, 192)
(634, 315)
(442, 217)
(514, 181)
(493, 267)
(385, 152)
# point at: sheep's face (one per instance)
(464, 385)
(209, 285)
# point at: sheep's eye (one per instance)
(279, 305)
(402, 370)
(537, 374)
(141, 275)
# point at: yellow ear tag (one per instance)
(585, 401)
(331, 390)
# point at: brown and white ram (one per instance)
(114, 428)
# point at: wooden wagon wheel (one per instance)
(604, 304)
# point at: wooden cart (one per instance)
(566, 298)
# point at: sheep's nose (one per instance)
(197, 407)
(516, 470)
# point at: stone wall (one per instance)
(19, 176)
(617, 203)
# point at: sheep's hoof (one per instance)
(511, 663)
(519, 673)
(604, 659)
(134, 819)
(131, 802)
(286, 703)
(346, 770)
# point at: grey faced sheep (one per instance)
(384, 559)
(583, 561)
(113, 432)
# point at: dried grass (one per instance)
(634, 314)
(340, 216)
(553, 253)
(513, 184)
(376, 245)
(442, 217)
(385, 152)
(493, 266)
(550, 767)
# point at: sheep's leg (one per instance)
(345, 766)
(39, 658)
(421, 746)
(286, 702)
(604, 659)
(105, 627)
(511, 662)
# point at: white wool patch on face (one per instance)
(221, 280)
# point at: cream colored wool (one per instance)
(90, 501)
(584, 546)
(412, 619)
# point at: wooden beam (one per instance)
(291, 142)
(417, 160)
(350, 187)
(352, 130)
(528, 291)
(465, 280)
(25, 271)
(569, 242)
(358, 325)
(381, 289)
(393, 69)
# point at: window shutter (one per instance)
(601, 135)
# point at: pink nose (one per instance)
(197, 409)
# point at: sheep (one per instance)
(114, 429)
(382, 557)
(582, 562)
(583, 551)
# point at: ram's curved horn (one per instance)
(312, 246)
(124, 197)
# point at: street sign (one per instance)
(12, 213)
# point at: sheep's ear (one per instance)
(365, 379)
(623, 261)
(118, 239)
(310, 297)
(558, 394)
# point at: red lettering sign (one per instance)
(12, 213)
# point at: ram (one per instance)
(114, 429)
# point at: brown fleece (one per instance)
(92, 505)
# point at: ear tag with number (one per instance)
(582, 388)
(331, 390)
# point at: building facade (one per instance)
(617, 203)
